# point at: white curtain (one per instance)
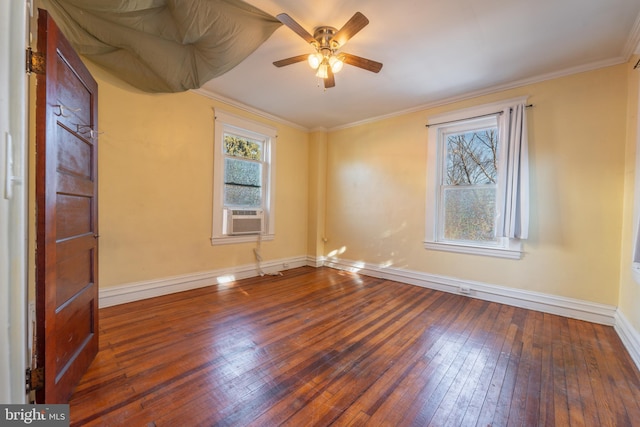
(516, 214)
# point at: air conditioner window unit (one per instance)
(244, 221)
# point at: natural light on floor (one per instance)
(228, 278)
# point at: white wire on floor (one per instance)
(258, 255)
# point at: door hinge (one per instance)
(34, 379)
(35, 62)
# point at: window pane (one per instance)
(242, 172)
(469, 190)
(469, 213)
(242, 183)
(242, 147)
(472, 157)
(235, 195)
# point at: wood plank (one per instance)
(324, 347)
(527, 365)
(533, 348)
(490, 354)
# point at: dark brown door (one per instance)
(67, 215)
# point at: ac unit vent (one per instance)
(243, 212)
(245, 221)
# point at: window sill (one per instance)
(515, 252)
(249, 238)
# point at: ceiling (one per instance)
(433, 51)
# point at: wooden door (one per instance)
(67, 215)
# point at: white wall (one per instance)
(13, 286)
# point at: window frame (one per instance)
(242, 134)
(635, 260)
(457, 121)
(226, 123)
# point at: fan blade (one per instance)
(364, 63)
(292, 60)
(330, 81)
(297, 28)
(357, 22)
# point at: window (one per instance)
(243, 168)
(636, 211)
(477, 186)
(244, 171)
(468, 190)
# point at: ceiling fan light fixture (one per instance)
(336, 63)
(326, 42)
(314, 60)
(323, 71)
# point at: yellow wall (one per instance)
(317, 193)
(156, 173)
(155, 187)
(629, 301)
(376, 191)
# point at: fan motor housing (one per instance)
(324, 37)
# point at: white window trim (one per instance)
(635, 261)
(224, 121)
(504, 248)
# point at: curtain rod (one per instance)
(474, 117)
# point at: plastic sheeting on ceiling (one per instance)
(163, 45)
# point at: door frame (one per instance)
(14, 353)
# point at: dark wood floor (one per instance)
(320, 347)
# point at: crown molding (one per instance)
(633, 42)
(634, 38)
(248, 108)
(490, 90)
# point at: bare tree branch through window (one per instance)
(470, 185)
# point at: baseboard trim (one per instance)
(629, 336)
(562, 306)
(157, 287)
(316, 261)
(566, 307)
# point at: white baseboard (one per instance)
(316, 262)
(567, 307)
(153, 288)
(562, 306)
(629, 337)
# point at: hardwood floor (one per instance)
(320, 347)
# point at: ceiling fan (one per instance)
(326, 41)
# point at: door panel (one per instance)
(74, 157)
(67, 222)
(73, 215)
(74, 330)
(75, 259)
